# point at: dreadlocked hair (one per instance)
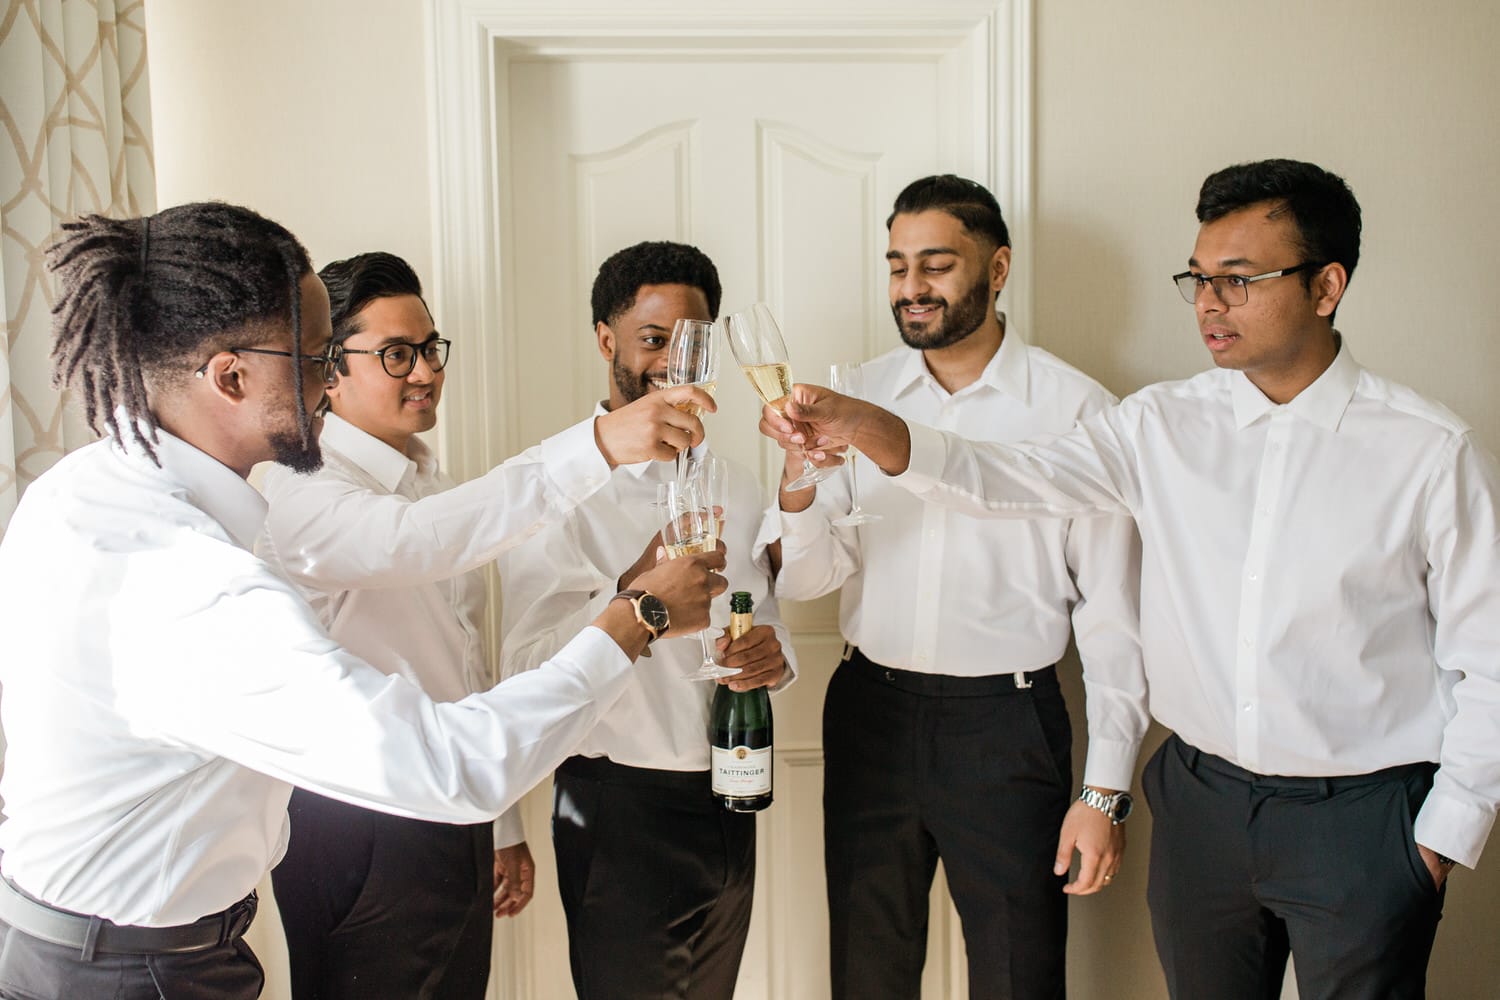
(156, 297)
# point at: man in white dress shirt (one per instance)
(1319, 605)
(945, 733)
(365, 897)
(164, 688)
(656, 878)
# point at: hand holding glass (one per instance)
(761, 352)
(849, 380)
(693, 359)
(689, 531)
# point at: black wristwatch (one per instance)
(649, 611)
(1117, 806)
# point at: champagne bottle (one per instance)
(739, 732)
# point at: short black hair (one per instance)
(1320, 204)
(967, 201)
(157, 296)
(355, 282)
(652, 263)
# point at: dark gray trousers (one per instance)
(1247, 868)
(32, 969)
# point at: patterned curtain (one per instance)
(76, 114)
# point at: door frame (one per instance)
(985, 48)
(982, 47)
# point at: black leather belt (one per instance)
(89, 935)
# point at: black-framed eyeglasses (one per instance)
(399, 359)
(327, 362)
(1232, 289)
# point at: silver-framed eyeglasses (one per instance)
(400, 358)
(1232, 289)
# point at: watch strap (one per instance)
(634, 597)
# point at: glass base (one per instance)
(855, 517)
(811, 476)
(710, 671)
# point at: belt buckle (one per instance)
(1022, 681)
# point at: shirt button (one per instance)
(1247, 642)
(1247, 706)
(1254, 576)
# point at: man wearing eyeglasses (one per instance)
(373, 903)
(1319, 602)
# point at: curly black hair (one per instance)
(652, 263)
(967, 201)
(1320, 203)
(154, 297)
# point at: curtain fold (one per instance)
(75, 112)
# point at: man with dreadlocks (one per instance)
(165, 688)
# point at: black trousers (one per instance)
(972, 770)
(32, 969)
(382, 906)
(656, 880)
(1247, 868)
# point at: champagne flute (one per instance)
(711, 473)
(692, 359)
(761, 352)
(689, 531)
(849, 380)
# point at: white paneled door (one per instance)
(776, 143)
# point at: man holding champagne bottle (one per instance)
(945, 734)
(656, 876)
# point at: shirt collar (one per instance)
(1009, 371)
(211, 486)
(1322, 403)
(382, 462)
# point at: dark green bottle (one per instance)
(739, 732)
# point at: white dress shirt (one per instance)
(931, 590)
(163, 688)
(569, 572)
(1320, 588)
(418, 608)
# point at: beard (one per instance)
(632, 386)
(288, 449)
(957, 323)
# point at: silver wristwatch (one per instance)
(1117, 806)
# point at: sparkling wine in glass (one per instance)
(849, 379)
(761, 352)
(689, 531)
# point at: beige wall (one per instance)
(315, 113)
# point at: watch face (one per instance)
(1123, 805)
(654, 612)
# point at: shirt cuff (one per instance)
(1110, 763)
(924, 467)
(509, 830)
(1452, 826)
(574, 463)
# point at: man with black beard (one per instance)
(945, 733)
(656, 877)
